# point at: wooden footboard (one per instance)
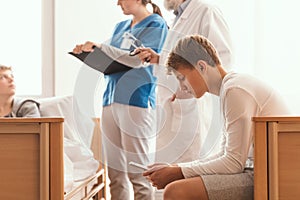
(89, 188)
(31, 157)
(276, 158)
(94, 186)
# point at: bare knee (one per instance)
(187, 189)
(173, 191)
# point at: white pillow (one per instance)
(77, 126)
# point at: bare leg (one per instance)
(188, 189)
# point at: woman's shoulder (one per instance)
(156, 19)
(153, 20)
(155, 16)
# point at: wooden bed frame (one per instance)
(276, 158)
(31, 161)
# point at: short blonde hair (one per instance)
(3, 67)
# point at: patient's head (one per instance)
(7, 84)
(189, 50)
(197, 66)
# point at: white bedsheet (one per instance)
(79, 161)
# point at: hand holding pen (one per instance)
(146, 55)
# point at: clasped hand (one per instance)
(161, 174)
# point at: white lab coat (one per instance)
(185, 123)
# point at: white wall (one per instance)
(77, 21)
(267, 43)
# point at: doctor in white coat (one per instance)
(182, 128)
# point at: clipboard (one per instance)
(101, 62)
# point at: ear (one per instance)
(201, 66)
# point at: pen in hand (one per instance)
(137, 51)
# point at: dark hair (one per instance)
(155, 7)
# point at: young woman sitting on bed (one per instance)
(11, 106)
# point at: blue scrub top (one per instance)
(135, 87)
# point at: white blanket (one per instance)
(79, 161)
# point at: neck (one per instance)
(214, 82)
(142, 14)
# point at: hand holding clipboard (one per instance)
(100, 61)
